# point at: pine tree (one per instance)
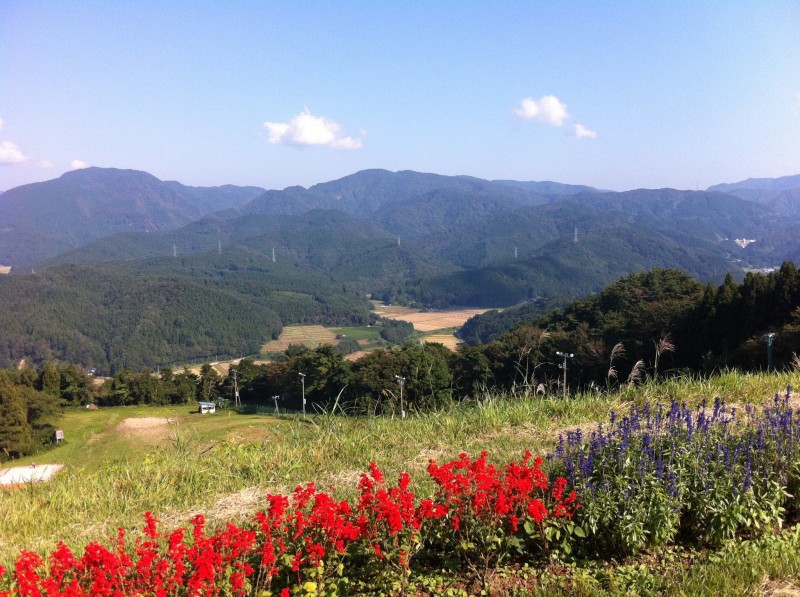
(15, 433)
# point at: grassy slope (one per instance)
(221, 465)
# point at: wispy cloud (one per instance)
(10, 153)
(581, 132)
(78, 164)
(45, 164)
(548, 109)
(307, 129)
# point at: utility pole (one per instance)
(566, 355)
(174, 250)
(401, 380)
(273, 254)
(236, 401)
(303, 381)
(219, 246)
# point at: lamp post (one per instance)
(768, 338)
(303, 381)
(401, 380)
(565, 355)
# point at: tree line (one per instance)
(645, 325)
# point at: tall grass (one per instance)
(224, 480)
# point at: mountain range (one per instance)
(96, 236)
(40, 220)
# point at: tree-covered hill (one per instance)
(44, 219)
(164, 310)
(567, 268)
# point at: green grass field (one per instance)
(223, 464)
(360, 333)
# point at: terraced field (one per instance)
(307, 335)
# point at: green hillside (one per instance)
(164, 310)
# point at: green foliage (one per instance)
(26, 416)
(15, 432)
(163, 311)
(396, 331)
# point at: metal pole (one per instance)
(769, 337)
(566, 355)
(275, 399)
(303, 381)
(401, 380)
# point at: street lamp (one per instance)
(303, 381)
(401, 380)
(768, 338)
(566, 355)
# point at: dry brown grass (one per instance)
(447, 340)
(307, 335)
(429, 321)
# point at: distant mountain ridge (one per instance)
(44, 219)
(126, 270)
(781, 194)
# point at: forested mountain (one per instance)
(564, 267)
(370, 193)
(781, 194)
(404, 237)
(41, 220)
(158, 311)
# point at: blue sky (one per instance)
(617, 95)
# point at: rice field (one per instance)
(307, 335)
(430, 321)
(447, 339)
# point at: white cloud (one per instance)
(581, 132)
(10, 153)
(45, 164)
(307, 129)
(548, 109)
(78, 164)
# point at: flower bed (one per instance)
(675, 475)
(309, 543)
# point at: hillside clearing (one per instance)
(311, 336)
(430, 321)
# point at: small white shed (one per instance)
(207, 408)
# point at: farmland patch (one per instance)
(429, 321)
(307, 335)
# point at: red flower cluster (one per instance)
(478, 489)
(306, 538)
